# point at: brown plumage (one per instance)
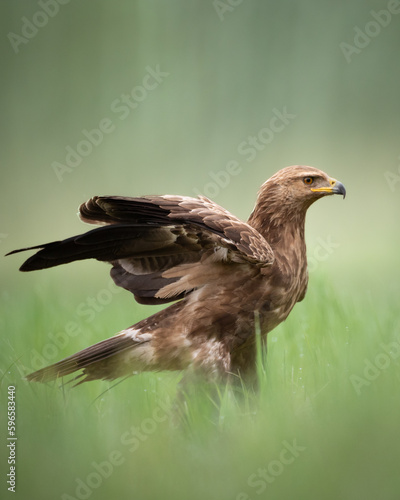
(222, 272)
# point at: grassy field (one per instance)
(324, 425)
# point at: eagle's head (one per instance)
(299, 186)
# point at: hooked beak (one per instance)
(336, 187)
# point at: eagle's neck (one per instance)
(278, 222)
(282, 225)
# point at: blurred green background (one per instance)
(201, 78)
(225, 78)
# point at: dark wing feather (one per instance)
(103, 243)
(155, 242)
(166, 210)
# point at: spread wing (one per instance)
(160, 247)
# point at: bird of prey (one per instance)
(220, 273)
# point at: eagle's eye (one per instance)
(308, 180)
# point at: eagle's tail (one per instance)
(121, 355)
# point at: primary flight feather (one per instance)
(221, 273)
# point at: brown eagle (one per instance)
(220, 272)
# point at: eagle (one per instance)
(225, 277)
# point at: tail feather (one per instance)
(100, 361)
(135, 349)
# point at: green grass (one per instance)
(220, 443)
